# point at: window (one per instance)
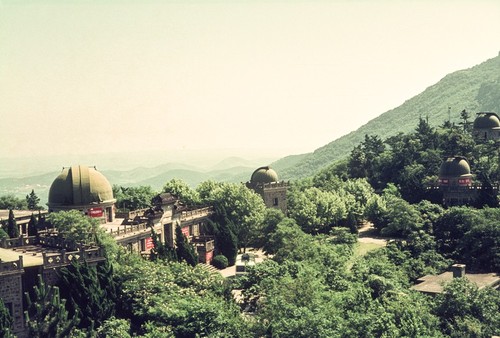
(275, 201)
(9, 308)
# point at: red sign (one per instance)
(464, 181)
(185, 231)
(208, 256)
(148, 243)
(96, 212)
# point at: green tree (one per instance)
(90, 293)
(133, 198)
(226, 241)
(450, 228)
(114, 327)
(12, 202)
(161, 250)
(316, 211)
(466, 311)
(401, 218)
(5, 321)
(272, 218)
(206, 188)
(33, 226)
(181, 190)
(480, 246)
(464, 116)
(3, 234)
(365, 159)
(457, 141)
(46, 316)
(32, 201)
(75, 227)
(184, 250)
(171, 299)
(243, 208)
(12, 228)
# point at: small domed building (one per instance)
(265, 182)
(82, 188)
(455, 181)
(487, 126)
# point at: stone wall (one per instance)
(11, 292)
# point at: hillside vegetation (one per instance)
(475, 89)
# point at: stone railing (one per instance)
(281, 184)
(205, 242)
(8, 243)
(126, 229)
(130, 214)
(58, 242)
(474, 188)
(11, 267)
(63, 258)
(196, 213)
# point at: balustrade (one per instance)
(11, 267)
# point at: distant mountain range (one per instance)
(475, 89)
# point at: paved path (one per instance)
(367, 234)
(231, 270)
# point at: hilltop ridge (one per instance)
(474, 89)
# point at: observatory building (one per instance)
(455, 181)
(264, 181)
(82, 188)
(487, 126)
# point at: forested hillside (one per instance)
(474, 89)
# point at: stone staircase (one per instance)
(209, 268)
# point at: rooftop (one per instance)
(434, 284)
(21, 216)
(32, 255)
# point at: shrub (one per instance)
(220, 262)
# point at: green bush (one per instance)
(220, 262)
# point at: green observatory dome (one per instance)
(486, 121)
(455, 167)
(79, 186)
(264, 175)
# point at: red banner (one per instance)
(208, 256)
(148, 243)
(96, 212)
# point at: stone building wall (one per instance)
(273, 194)
(11, 292)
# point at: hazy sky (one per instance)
(275, 77)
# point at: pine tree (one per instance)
(226, 241)
(184, 250)
(32, 200)
(41, 221)
(12, 228)
(32, 226)
(108, 283)
(80, 284)
(5, 321)
(47, 316)
(161, 250)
